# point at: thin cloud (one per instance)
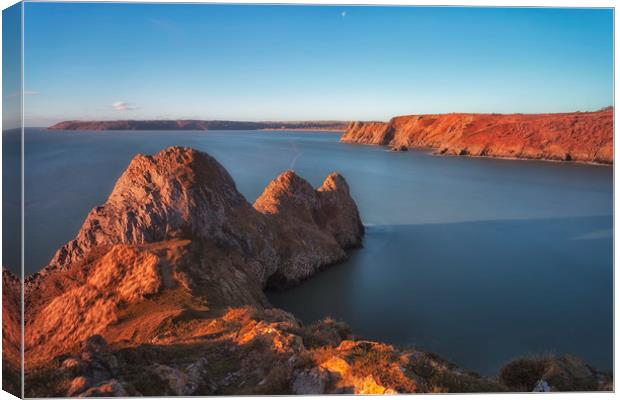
(123, 106)
(344, 14)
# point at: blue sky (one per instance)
(118, 61)
(11, 67)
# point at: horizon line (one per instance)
(606, 108)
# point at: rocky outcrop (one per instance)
(314, 226)
(184, 194)
(93, 369)
(176, 222)
(11, 333)
(247, 351)
(579, 136)
(178, 193)
(197, 125)
(161, 294)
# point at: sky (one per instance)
(242, 62)
(11, 67)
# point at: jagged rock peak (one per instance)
(177, 193)
(338, 212)
(173, 169)
(184, 194)
(287, 191)
(335, 181)
(330, 206)
(314, 227)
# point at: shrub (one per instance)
(522, 374)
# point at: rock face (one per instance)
(178, 193)
(197, 125)
(11, 333)
(175, 221)
(579, 136)
(314, 226)
(161, 294)
(181, 193)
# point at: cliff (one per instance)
(161, 293)
(198, 125)
(11, 333)
(578, 136)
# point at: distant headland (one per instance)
(198, 125)
(577, 136)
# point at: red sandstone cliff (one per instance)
(579, 136)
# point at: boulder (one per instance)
(401, 147)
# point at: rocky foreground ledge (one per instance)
(161, 293)
(580, 136)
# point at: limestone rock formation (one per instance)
(315, 226)
(181, 193)
(161, 294)
(178, 193)
(175, 222)
(579, 136)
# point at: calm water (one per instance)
(478, 260)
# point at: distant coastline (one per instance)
(325, 130)
(200, 125)
(585, 137)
